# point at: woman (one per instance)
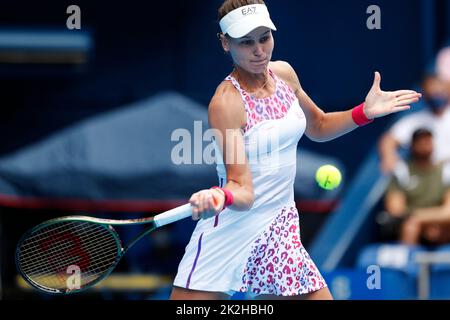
(248, 236)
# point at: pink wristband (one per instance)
(229, 199)
(359, 117)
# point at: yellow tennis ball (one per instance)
(328, 177)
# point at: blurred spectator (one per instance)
(417, 202)
(436, 118)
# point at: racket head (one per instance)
(68, 255)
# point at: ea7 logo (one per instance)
(249, 10)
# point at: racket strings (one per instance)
(66, 245)
(62, 265)
(52, 228)
(58, 264)
(47, 253)
(38, 259)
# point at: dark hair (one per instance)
(421, 132)
(230, 5)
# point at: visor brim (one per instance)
(246, 26)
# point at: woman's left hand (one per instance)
(380, 103)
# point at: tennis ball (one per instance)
(328, 177)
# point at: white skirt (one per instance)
(252, 252)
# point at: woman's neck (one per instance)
(252, 82)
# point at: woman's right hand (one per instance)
(207, 203)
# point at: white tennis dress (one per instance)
(257, 251)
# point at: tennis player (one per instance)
(247, 238)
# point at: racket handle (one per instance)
(173, 215)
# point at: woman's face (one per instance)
(252, 52)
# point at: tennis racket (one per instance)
(71, 254)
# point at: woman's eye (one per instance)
(247, 42)
(264, 39)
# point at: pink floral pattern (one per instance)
(271, 108)
(279, 264)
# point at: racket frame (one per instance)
(157, 221)
(105, 223)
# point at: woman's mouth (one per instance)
(259, 62)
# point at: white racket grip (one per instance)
(173, 215)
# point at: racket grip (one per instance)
(173, 215)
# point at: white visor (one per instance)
(243, 20)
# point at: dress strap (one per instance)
(235, 83)
(238, 86)
(273, 75)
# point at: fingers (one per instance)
(202, 202)
(405, 102)
(399, 93)
(207, 202)
(194, 203)
(377, 80)
(408, 97)
(399, 109)
(204, 205)
(200, 205)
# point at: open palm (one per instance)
(380, 103)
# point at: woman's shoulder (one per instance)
(284, 71)
(282, 68)
(226, 94)
(227, 105)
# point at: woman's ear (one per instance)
(225, 42)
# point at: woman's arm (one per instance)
(322, 127)
(226, 115)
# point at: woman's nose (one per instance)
(258, 50)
